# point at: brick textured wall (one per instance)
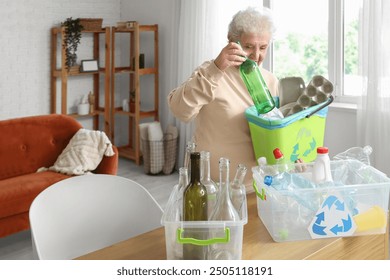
(25, 50)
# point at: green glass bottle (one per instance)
(195, 209)
(257, 87)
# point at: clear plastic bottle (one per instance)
(224, 210)
(237, 188)
(264, 168)
(262, 161)
(274, 114)
(211, 186)
(360, 153)
(321, 167)
(282, 164)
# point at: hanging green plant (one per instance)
(72, 39)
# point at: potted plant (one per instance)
(72, 38)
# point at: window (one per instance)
(318, 38)
(352, 78)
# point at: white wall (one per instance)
(25, 52)
(25, 48)
(161, 13)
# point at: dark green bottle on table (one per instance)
(257, 87)
(195, 209)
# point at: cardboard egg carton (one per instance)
(295, 97)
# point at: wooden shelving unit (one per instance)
(59, 71)
(132, 149)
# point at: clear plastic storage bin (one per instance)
(293, 208)
(210, 239)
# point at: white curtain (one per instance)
(374, 109)
(201, 33)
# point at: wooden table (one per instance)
(257, 244)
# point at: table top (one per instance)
(257, 244)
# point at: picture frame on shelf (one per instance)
(89, 65)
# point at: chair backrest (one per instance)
(89, 212)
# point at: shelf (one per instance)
(56, 30)
(132, 150)
(96, 113)
(142, 114)
(142, 28)
(58, 72)
(141, 71)
(75, 71)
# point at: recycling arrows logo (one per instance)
(332, 220)
(306, 144)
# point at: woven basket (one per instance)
(159, 156)
(91, 23)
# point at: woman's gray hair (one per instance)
(251, 20)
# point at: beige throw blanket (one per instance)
(83, 153)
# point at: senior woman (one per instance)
(216, 96)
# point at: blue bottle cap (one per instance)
(268, 180)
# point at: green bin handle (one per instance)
(194, 241)
(261, 195)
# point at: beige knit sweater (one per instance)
(217, 100)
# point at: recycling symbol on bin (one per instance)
(305, 145)
(332, 220)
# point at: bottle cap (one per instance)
(278, 153)
(268, 180)
(262, 161)
(322, 150)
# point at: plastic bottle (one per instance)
(264, 168)
(237, 189)
(262, 161)
(321, 167)
(257, 87)
(274, 114)
(360, 153)
(281, 164)
(211, 186)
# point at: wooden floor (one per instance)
(18, 246)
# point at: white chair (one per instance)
(89, 212)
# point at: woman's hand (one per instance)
(231, 55)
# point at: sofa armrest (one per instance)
(109, 165)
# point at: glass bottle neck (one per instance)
(205, 166)
(190, 148)
(240, 175)
(183, 177)
(223, 173)
(195, 169)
